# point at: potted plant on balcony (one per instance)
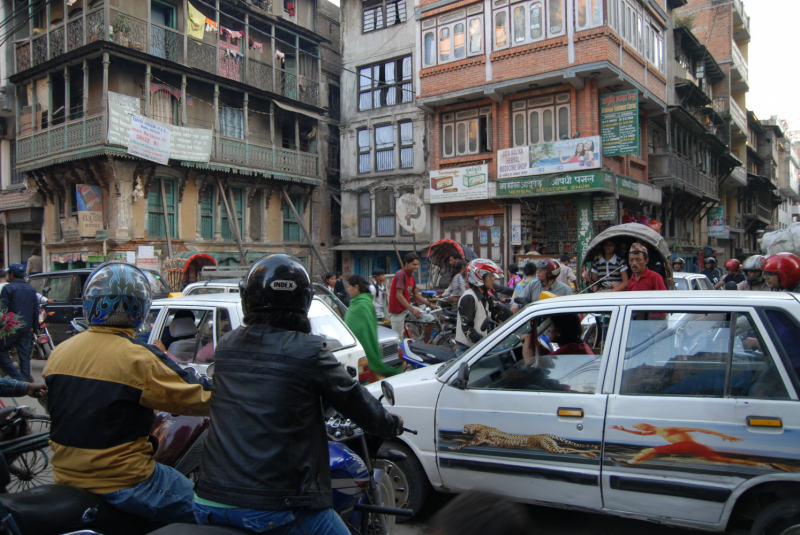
(121, 30)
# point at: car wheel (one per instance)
(409, 480)
(779, 518)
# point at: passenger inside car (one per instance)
(184, 334)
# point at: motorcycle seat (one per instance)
(430, 352)
(190, 529)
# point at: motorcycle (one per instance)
(42, 341)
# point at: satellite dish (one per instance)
(411, 213)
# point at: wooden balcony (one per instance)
(666, 168)
(210, 55)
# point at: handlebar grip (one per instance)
(407, 430)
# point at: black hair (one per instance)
(565, 257)
(455, 255)
(529, 269)
(377, 272)
(283, 319)
(478, 513)
(338, 274)
(360, 282)
(459, 265)
(328, 276)
(410, 257)
(568, 327)
(183, 313)
(34, 251)
(513, 268)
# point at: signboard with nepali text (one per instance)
(545, 158)
(619, 122)
(716, 223)
(460, 184)
(149, 140)
(90, 210)
(567, 183)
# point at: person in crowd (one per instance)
(610, 267)
(477, 303)
(567, 276)
(451, 262)
(753, 269)
(734, 274)
(34, 263)
(363, 322)
(678, 265)
(529, 270)
(457, 285)
(643, 278)
(513, 276)
(479, 513)
(20, 298)
(330, 282)
(547, 272)
(43, 301)
(782, 272)
(340, 290)
(104, 387)
(11, 388)
(378, 291)
(710, 270)
(403, 287)
(565, 330)
(265, 464)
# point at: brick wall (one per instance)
(713, 25)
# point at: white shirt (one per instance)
(379, 298)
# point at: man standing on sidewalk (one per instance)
(34, 263)
(403, 287)
(20, 298)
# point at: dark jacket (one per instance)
(267, 448)
(20, 298)
(713, 274)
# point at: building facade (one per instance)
(241, 88)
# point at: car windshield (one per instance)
(157, 284)
(328, 325)
(681, 284)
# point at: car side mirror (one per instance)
(46, 290)
(388, 392)
(463, 376)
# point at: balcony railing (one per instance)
(674, 166)
(727, 106)
(740, 175)
(754, 209)
(166, 43)
(739, 63)
(741, 18)
(89, 131)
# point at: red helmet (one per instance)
(553, 268)
(479, 268)
(733, 264)
(786, 266)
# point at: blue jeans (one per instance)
(166, 497)
(298, 522)
(22, 340)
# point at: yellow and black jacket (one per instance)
(103, 385)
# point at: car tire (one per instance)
(412, 481)
(779, 518)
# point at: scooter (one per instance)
(42, 341)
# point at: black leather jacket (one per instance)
(267, 448)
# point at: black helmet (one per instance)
(710, 260)
(276, 282)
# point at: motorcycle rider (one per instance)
(735, 275)
(753, 269)
(265, 460)
(710, 270)
(547, 272)
(678, 265)
(782, 272)
(476, 304)
(103, 387)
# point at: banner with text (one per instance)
(567, 155)
(716, 223)
(460, 184)
(619, 122)
(90, 210)
(149, 140)
(568, 183)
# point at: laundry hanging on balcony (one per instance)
(211, 26)
(197, 23)
(255, 44)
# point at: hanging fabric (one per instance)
(231, 122)
(161, 106)
(197, 23)
(211, 26)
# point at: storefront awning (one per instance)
(295, 109)
(18, 199)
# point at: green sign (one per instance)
(628, 187)
(585, 228)
(566, 183)
(101, 235)
(619, 123)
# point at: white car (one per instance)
(686, 413)
(214, 315)
(691, 281)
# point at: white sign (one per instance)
(147, 263)
(146, 251)
(130, 257)
(460, 184)
(411, 213)
(149, 140)
(556, 157)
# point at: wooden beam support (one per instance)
(232, 222)
(300, 222)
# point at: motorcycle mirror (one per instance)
(45, 291)
(388, 392)
(463, 376)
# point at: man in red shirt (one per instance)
(643, 279)
(403, 287)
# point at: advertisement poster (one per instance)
(460, 184)
(90, 210)
(545, 158)
(486, 221)
(484, 235)
(516, 234)
(716, 223)
(590, 181)
(149, 140)
(495, 234)
(619, 122)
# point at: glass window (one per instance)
(37, 283)
(291, 227)
(448, 140)
(384, 148)
(501, 29)
(473, 136)
(384, 214)
(231, 122)
(537, 28)
(519, 129)
(475, 36)
(328, 325)
(563, 122)
(519, 24)
(461, 144)
(787, 340)
(59, 288)
(444, 44)
(205, 340)
(406, 145)
(205, 290)
(534, 127)
(459, 43)
(408, 92)
(556, 17)
(547, 125)
(430, 49)
(364, 215)
(516, 363)
(385, 84)
(582, 8)
(157, 284)
(363, 151)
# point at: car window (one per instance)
(37, 283)
(517, 363)
(696, 284)
(143, 332)
(205, 343)
(712, 354)
(705, 284)
(328, 325)
(223, 323)
(207, 290)
(180, 339)
(80, 284)
(787, 340)
(681, 284)
(59, 288)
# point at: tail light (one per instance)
(50, 313)
(363, 369)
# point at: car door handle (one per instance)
(764, 421)
(570, 412)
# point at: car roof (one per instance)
(672, 297)
(61, 272)
(211, 299)
(685, 275)
(220, 282)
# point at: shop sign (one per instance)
(90, 210)
(460, 184)
(149, 140)
(628, 187)
(546, 158)
(619, 122)
(101, 235)
(584, 205)
(716, 223)
(573, 182)
(69, 229)
(604, 209)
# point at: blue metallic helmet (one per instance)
(116, 295)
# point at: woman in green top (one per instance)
(363, 322)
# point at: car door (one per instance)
(532, 433)
(62, 305)
(698, 391)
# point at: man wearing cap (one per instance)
(20, 298)
(642, 278)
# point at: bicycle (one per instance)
(25, 445)
(440, 335)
